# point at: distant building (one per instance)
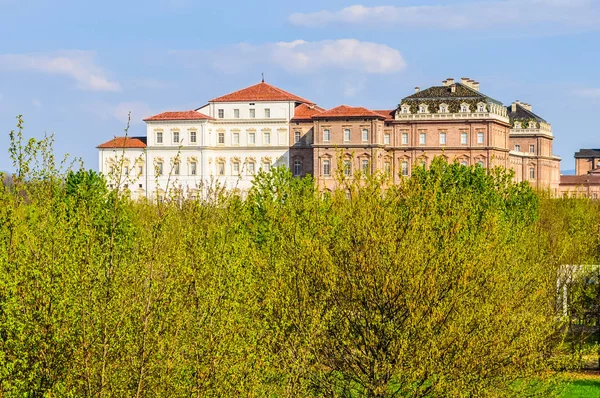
(586, 181)
(230, 138)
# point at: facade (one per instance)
(226, 141)
(586, 181)
(221, 144)
(531, 155)
(454, 120)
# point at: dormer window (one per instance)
(422, 108)
(465, 108)
(481, 108)
(443, 108)
(517, 125)
(405, 109)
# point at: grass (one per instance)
(582, 385)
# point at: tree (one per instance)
(431, 288)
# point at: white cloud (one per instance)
(587, 92)
(338, 54)
(478, 14)
(78, 65)
(301, 56)
(139, 111)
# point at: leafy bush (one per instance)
(442, 286)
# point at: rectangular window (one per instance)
(175, 137)
(221, 168)
(252, 113)
(236, 113)
(518, 148)
(405, 168)
(266, 167)
(251, 168)
(235, 169)
(365, 166)
(346, 135)
(404, 138)
(532, 173)
(221, 137)
(297, 167)
(235, 138)
(480, 138)
(347, 167)
(297, 135)
(267, 113)
(251, 138)
(159, 137)
(365, 135)
(442, 138)
(267, 138)
(326, 135)
(126, 170)
(464, 138)
(159, 168)
(532, 148)
(192, 137)
(422, 138)
(387, 139)
(193, 168)
(326, 168)
(387, 167)
(176, 169)
(221, 113)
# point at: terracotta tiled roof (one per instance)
(260, 92)
(388, 114)
(306, 112)
(349, 111)
(584, 179)
(125, 142)
(185, 115)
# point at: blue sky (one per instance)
(76, 68)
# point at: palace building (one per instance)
(586, 181)
(227, 141)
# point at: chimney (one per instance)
(453, 88)
(417, 89)
(475, 86)
(448, 82)
(514, 106)
(527, 106)
(466, 81)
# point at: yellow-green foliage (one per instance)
(442, 286)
